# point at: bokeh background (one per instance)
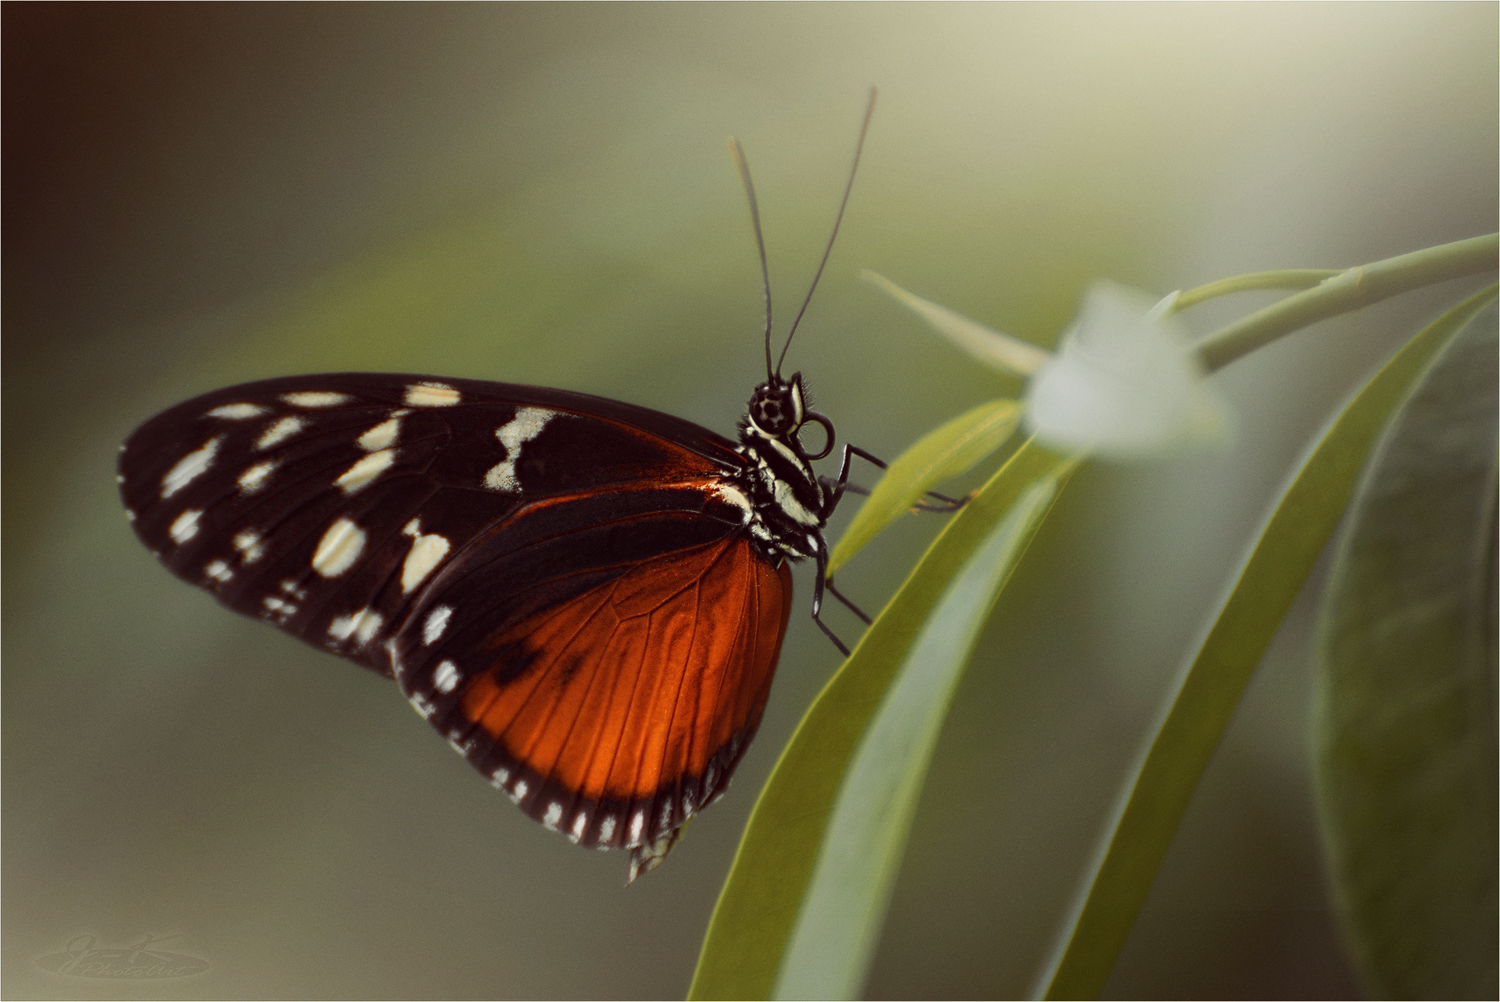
(200, 195)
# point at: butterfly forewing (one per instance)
(563, 585)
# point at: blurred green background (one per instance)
(202, 195)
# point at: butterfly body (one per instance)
(586, 598)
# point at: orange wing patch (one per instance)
(625, 709)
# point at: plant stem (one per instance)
(1289, 278)
(1345, 292)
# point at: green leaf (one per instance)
(845, 903)
(944, 452)
(753, 919)
(1284, 552)
(1405, 735)
(996, 349)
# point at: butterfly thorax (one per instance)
(787, 504)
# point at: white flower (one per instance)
(1123, 384)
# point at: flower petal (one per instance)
(1125, 382)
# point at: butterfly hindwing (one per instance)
(617, 710)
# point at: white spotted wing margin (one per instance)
(413, 523)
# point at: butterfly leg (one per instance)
(817, 602)
(836, 490)
(840, 485)
(945, 504)
(828, 582)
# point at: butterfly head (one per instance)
(778, 410)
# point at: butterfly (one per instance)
(585, 597)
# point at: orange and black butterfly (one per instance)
(586, 598)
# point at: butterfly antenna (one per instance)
(738, 152)
(858, 148)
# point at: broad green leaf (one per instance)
(1283, 554)
(1405, 735)
(759, 903)
(942, 453)
(844, 906)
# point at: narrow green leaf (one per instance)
(844, 906)
(759, 903)
(1284, 552)
(994, 348)
(1405, 735)
(945, 452)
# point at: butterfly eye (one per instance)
(772, 410)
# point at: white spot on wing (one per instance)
(499, 777)
(366, 470)
(519, 791)
(368, 627)
(553, 816)
(579, 824)
(445, 679)
(339, 548)
(637, 825)
(607, 828)
(437, 622)
(247, 541)
(361, 625)
(279, 606)
(422, 705)
(254, 478)
(237, 412)
(316, 398)
(426, 552)
(185, 526)
(431, 395)
(397, 668)
(190, 467)
(218, 570)
(279, 432)
(528, 423)
(382, 436)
